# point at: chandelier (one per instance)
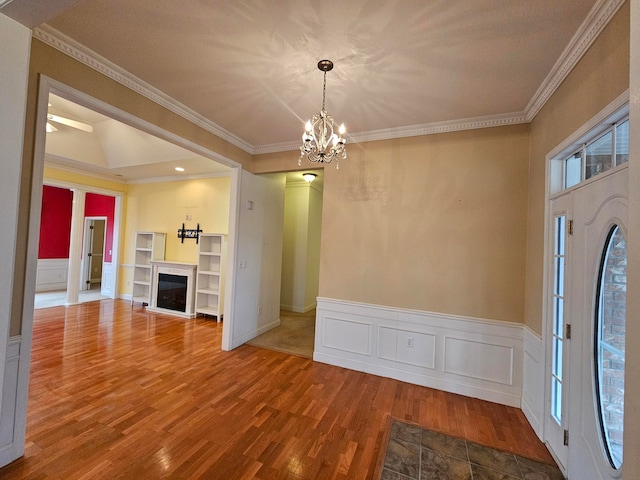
(320, 142)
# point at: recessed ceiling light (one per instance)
(179, 169)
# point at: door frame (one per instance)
(618, 108)
(48, 85)
(550, 430)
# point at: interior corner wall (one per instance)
(600, 76)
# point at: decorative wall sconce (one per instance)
(189, 233)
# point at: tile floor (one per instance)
(419, 454)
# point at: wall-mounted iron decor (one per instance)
(189, 233)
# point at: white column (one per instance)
(75, 247)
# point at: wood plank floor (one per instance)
(116, 392)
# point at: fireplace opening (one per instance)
(172, 292)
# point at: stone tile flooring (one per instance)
(419, 454)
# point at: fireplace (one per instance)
(173, 288)
(172, 292)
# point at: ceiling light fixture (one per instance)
(179, 169)
(309, 177)
(320, 143)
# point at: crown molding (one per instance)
(599, 16)
(87, 170)
(177, 178)
(414, 130)
(77, 51)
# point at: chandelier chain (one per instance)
(324, 90)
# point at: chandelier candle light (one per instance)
(320, 143)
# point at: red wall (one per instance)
(55, 223)
(96, 205)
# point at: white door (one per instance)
(558, 281)
(595, 410)
(93, 256)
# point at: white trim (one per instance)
(533, 381)
(597, 19)
(469, 356)
(614, 111)
(59, 163)
(414, 130)
(11, 446)
(254, 333)
(92, 171)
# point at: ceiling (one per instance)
(249, 67)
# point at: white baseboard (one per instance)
(10, 447)
(52, 274)
(468, 356)
(254, 333)
(533, 381)
(297, 308)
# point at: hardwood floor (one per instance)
(116, 392)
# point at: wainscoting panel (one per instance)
(478, 360)
(108, 283)
(407, 346)
(533, 381)
(347, 335)
(8, 448)
(470, 356)
(52, 274)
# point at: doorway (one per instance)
(93, 253)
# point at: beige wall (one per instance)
(600, 77)
(435, 223)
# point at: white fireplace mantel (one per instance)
(174, 268)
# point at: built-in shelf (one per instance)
(149, 246)
(212, 250)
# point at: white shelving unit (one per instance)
(212, 249)
(149, 246)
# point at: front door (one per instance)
(597, 316)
